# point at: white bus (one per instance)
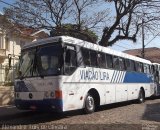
(65, 73)
(156, 73)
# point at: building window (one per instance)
(7, 43)
(1, 41)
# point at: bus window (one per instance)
(139, 67)
(70, 61)
(109, 61)
(101, 60)
(44, 62)
(116, 62)
(48, 61)
(130, 65)
(93, 58)
(85, 54)
(146, 68)
(121, 64)
(142, 68)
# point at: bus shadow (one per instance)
(152, 112)
(12, 116)
(116, 105)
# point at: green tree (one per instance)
(73, 30)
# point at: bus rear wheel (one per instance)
(89, 104)
(141, 98)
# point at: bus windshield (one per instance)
(41, 61)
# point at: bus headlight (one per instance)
(46, 94)
(16, 95)
(49, 94)
(52, 94)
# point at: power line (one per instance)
(152, 39)
(123, 47)
(7, 3)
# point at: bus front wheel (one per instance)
(89, 104)
(141, 97)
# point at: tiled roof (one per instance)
(152, 53)
(24, 30)
(17, 28)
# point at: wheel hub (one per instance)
(90, 103)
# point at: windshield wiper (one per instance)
(28, 68)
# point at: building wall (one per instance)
(12, 46)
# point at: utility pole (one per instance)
(143, 53)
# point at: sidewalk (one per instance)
(6, 95)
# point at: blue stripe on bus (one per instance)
(133, 77)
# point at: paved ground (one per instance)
(128, 115)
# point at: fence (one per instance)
(7, 75)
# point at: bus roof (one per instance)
(85, 44)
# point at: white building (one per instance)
(11, 41)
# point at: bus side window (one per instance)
(152, 69)
(127, 64)
(101, 60)
(116, 62)
(130, 65)
(139, 67)
(85, 55)
(121, 64)
(93, 58)
(70, 61)
(146, 68)
(142, 68)
(109, 61)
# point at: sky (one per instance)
(121, 45)
(4, 5)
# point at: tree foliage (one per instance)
(52, 14)
(73, 30)
(129, 17)
(120, 19)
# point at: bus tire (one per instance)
(141, 97)
(89, 106)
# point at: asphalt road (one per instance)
(128, 115)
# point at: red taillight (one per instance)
(33, 107)
(58, 94)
